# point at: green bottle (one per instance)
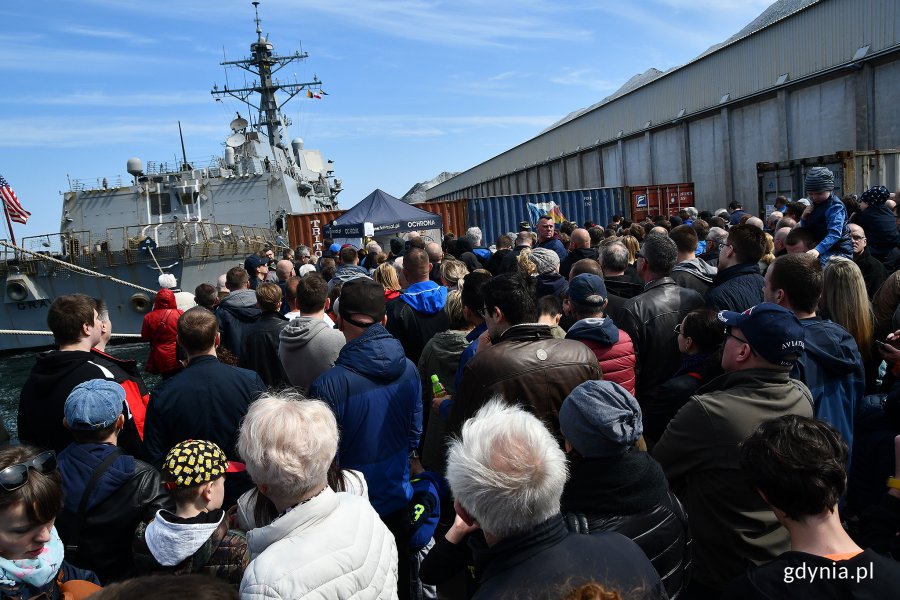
(437, 388)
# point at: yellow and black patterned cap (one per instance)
(194, 462)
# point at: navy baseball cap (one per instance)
(252, 262)
(772, 331)
(587, 289)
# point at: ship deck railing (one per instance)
(122, 245)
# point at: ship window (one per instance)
(160, 203)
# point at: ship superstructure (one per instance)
(190, 219)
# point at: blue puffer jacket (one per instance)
(829, 224)
(376, 395)
(736, 288)
(833, 371)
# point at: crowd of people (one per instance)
(693, 406)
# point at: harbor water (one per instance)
(14, 372)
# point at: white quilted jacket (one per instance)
(334, 546)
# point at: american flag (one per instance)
(15, 210)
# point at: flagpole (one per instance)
(9, 224)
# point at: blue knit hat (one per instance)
(875, 195)
(819, 179)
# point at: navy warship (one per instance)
(194, 221)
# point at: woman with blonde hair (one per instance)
(769, 255)
(633, 245)
(452, 274)
(386, 275)
(845, 301)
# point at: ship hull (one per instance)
(127, 305)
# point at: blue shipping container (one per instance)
(497, 215)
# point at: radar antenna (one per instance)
(264, 63)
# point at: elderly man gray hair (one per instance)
(507, 473)
(323, 544)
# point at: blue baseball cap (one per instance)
(94, 404)
(772, 331)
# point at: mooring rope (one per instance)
(77, 268)
(50, 333)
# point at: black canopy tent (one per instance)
(387, 214)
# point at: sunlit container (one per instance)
(854, 173)
(502, 214)
(655, 200)
(453, 214)
(308, 228)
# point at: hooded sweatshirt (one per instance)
(695, 274)
(417, 315)
(235, 312)
(54, 376)
(612, 347)
(376, 395)
(307, 348)
(832, 369)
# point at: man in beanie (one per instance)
(826, 216)
(376, 395)
(586, 301)
(699, 451)
(99, 515)
(613, 486)
(548, 281)
(878, 221)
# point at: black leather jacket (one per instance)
(629, 495)
(650, 319)
(104, 540)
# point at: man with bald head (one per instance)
(579, 248)
(872, 269)
(284, 270)
(418, 312)
(435, 256)
(778, 239)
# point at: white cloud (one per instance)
(102, 99)
(585, 78)
(108, 34)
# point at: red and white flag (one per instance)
(15, 210)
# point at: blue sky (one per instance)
(415, 87)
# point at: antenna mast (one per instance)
(264, 64)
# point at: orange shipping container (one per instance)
(453, 214)
(307, 229)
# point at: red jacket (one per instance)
(160, 329)
(612, 347)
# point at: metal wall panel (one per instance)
(502, 214)
(667, 148)
(748, 66)
(886, 106)
(637, 160)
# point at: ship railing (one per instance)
(163, 167)
(75, 247)
(100, 183)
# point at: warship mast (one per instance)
(264, 64)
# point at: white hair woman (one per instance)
(323, 543)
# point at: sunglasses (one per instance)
(15, 476)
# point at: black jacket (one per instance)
(736, 288)
(629, 494)
(495, 262)
(205, 401)
(872, 269)
(416, 315)
(509, 263)
(573, 257)
(53, 377)
(881, 228)
(549, 561)
(129, 492)
(236, 313)
(650, 320)
(259, 351)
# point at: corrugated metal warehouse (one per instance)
(819, 81)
